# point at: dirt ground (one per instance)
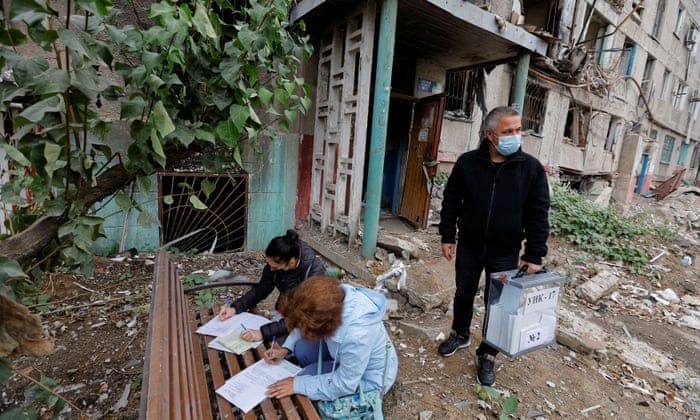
(646, 365)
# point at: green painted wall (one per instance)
(143, 236)
(271, 190)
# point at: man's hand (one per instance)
(448, 251)
(226, 312)
(251, 335)
(531, 268)
(281, 388)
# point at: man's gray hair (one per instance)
(500, 111)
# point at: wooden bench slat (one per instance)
(158, 364)
(217, 373)
(178, 397)
(199, 368)
(190, 386)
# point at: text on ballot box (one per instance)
(522, 311)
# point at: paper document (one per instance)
(247, 388)
(233, 342)
(219, 328)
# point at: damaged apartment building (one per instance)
(608, 92)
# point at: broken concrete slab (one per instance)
(600, 285)
(577, 342)
(427, 286)
(400, 246)
(356, 268)
(419, 331)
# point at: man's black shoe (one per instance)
(453, 343)
(486, 374)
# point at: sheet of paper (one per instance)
(247, 389)
(219, 328)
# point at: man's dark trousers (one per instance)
(468, 267)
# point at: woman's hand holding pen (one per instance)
(227, 311)
(275, 353)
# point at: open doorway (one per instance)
(397, 140)
(413, 134)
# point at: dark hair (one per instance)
(283, 248)
(315, 307)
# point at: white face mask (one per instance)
(507, 145)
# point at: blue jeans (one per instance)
(306, 352)
(468, 267)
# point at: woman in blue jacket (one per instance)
(348, 321)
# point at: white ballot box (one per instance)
(522, 311)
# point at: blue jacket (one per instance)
(358, 347)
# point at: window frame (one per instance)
(667, 149)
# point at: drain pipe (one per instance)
(518, 93)
(380, 119)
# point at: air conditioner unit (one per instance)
(692, 36)
(695, 97)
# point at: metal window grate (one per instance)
(460, 91)
(534, 106)
(221, 227)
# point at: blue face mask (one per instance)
(507, 145)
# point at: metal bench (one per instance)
(181, 373)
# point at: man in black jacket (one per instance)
(495, 197)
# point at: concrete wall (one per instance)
(628, 168)
(123, 230)
(272, 189)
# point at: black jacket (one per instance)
(496, 206)
(309, 265)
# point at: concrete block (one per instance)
(427, 286)
(597, 287)
(578, 343)
(419, 331)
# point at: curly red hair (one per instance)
(315, 307)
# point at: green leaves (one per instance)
(599, 231)
(193, 81)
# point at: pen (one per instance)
(228, 298)
(272, 346)
(243, 326)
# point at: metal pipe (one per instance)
(518, 94)
(380, 119)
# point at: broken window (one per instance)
(646, 83)
(543, 14)
(627, 58)
(679, 95)
(683, 153)
(661, 5)
(664, 83)
(695, 158)
(577, 123)
(460, 92)
(534, 106)
(614, 130)
(667, 150)
(680, 21)
(599, 39)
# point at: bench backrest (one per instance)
(174, 385)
